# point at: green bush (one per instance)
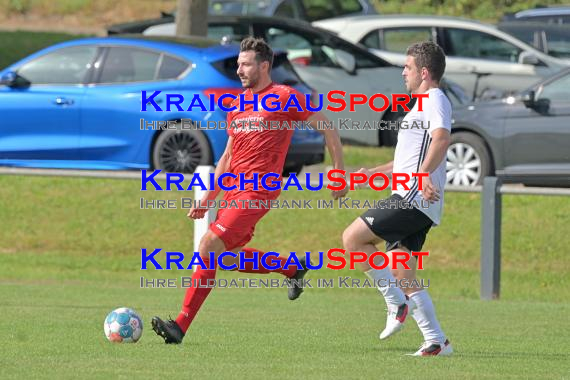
(19, 6)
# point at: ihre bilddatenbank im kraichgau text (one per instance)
(273, 182)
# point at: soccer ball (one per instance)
(123, 325)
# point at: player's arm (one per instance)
(222, 167)
(385, 168)
(440, 140)
(334, 146)
(332, 138)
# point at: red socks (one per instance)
(280, 261)
(195, 296)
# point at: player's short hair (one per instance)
(263, 51)
(429, 55)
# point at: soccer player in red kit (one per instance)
(250, 149)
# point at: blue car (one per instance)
(78, 105)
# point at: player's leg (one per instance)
(237, 228)
(296, 274)
(359, 237)
(196, 294)
(421, 305)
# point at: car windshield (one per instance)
(237, 7)
(282, 71)
(314, 9)
(551, 39)
(454, 92)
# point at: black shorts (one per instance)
(398, 225)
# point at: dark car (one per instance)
(523, 138)
(551, 15)
(325, 62)
(552, 39)
(307, 10)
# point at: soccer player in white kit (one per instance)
(419, 150)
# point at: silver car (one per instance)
(485, 61)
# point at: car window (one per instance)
(171, 68)
(551, 39)
(301, 48)
(371, 40)
(322, 9)
(237, 7)
(63, 66)
(311, 49)
(558, 42)
(528, 35)
(475, 44)
(288, 8)
(397, 40)
(219, 31)
(455, 93)
(285, 39)
(550, 19)
(237, 32)
(124, 64)
(558, 90)
(282, 71)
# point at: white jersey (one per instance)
(413, 143)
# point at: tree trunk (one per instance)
(192, 18)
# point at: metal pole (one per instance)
(491, 239)
(201, 225)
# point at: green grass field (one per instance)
(364, 156)
(70, 253)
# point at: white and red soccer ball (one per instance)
(123, 325)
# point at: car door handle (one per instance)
(59, 101)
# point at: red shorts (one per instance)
(235, 226)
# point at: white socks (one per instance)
(424, 314)
(393, 295)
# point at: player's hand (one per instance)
(430, 192)
(367, 173)
(198, 212)
(336, 194)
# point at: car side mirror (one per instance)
(541, 106)
(12, 79)
(8, 79)
(346, 61)
(527, 58)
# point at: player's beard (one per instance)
(250, 81)
(412, 86)
(413, 82)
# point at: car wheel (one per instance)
(181, 151)
(468, 160)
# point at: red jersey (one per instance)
(263, 150)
